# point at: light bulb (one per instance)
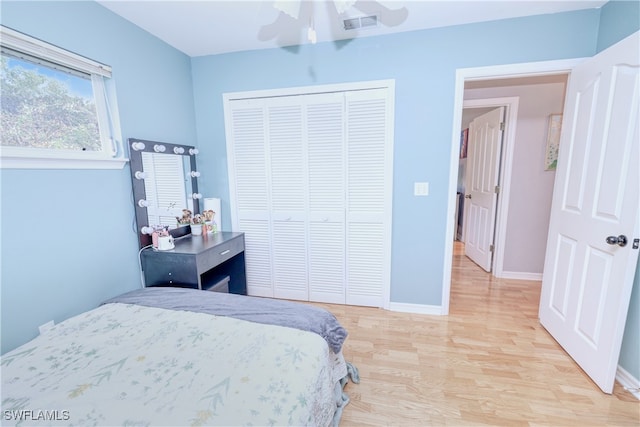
(143, 203)
(196, 196)
(147, 230)
(193, 151)
(178, 150)
(140, 175)
(195, 174)
(159, 148)
(138, 146)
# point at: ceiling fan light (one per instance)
(312, 36)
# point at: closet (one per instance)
(310, 175)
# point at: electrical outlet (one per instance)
(44, 328)
(420, 188)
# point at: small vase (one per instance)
(196, 229)
(208, 227)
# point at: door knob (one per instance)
(468, 196)
(620, 240)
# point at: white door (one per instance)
(483, 166)
(587, 280)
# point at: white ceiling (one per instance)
(208, 27)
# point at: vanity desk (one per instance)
(207, 262)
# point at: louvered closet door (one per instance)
(326, 169)
(286, 148)
(246, 148)
(369, 165)
(310, 180)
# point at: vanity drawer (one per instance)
(221, 253)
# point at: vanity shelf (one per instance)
(207, 262)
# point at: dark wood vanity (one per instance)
(207, 262)
(164, 180)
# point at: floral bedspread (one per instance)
(129, 365)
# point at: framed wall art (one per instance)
(464, 142)
(553, 142)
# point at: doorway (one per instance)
(482, 79)
(578, 236)
(509, 212)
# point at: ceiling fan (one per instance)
(343, 18)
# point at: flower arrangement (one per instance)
(185, 219)
(188, 218)
(196, 221)
(208, 215)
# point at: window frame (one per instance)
(112, 155)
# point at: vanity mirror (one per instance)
(164, 180)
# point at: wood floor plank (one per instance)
(489, 362)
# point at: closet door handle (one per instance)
(225, 252)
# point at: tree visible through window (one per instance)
(58, 109)
(47, 107)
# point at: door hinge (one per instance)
(497, 189)
(502, 126)
(490, 248)
(636, 243)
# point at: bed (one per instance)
(170, 356)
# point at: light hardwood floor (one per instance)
(488, 363)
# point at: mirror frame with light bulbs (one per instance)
(136, 148)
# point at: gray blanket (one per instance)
(254, 309)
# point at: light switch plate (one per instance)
(420, 188)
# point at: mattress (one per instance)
(127, 364)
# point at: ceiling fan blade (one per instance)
(270, 31)
(290, 7)
(341, 6)
(285, 30)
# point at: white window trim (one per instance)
(112, 154)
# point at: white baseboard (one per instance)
(518, 275)
(416, 308)
(628, 381)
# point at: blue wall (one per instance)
(68, 241)
(423, 63)
(618, 19)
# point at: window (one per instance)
(56, 108)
